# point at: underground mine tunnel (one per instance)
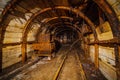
(59, 39)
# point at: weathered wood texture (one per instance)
(44, 38)
(24, 54)
(117, 60)
(96, 56)
(106, 58)
(44, 46)
(119, 63)
(0, 57)
(11, 55)
(110, 41)
(0, 50)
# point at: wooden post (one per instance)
(88, 51)
(0, 50)
(119, 63)
(24, 53)
(85, 49)
(0, 57)
(117, 60)
(88, 48)
(96, 60)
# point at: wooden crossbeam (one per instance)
(110, 41)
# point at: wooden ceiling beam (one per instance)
(27, 27)
(64, 8)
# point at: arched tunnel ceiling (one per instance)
(41, 11)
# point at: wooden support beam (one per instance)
(16, 43)
(16, 13)
(87, 47)
(27, 28)
(111, 16)
(24, 53)
(111, 41)
(119, 63)
(0, 57)
(0, 50)
(86, 50)
(117, 60)
(11, 44)
(96, 56)
(27, 10)
(8, 7)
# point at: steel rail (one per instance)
(81, 68)
(63, 61)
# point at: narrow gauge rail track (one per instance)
(63, 62)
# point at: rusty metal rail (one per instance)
(81, 68)
(59, 70)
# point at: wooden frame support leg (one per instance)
(24, 53)
(96, 56)
(0, 58)
(1, 50)
(117, 60)
(86, 49)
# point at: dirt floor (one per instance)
(46, 69)
(43, 70)
(71, 70)
(89, 68)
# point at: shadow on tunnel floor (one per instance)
(89, 68)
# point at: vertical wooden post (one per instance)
(88, 48)
(117, 60)
(96, 60)
(85, 50)
(0, 57)
(24, 53)
(88, 51)
(0, 49)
